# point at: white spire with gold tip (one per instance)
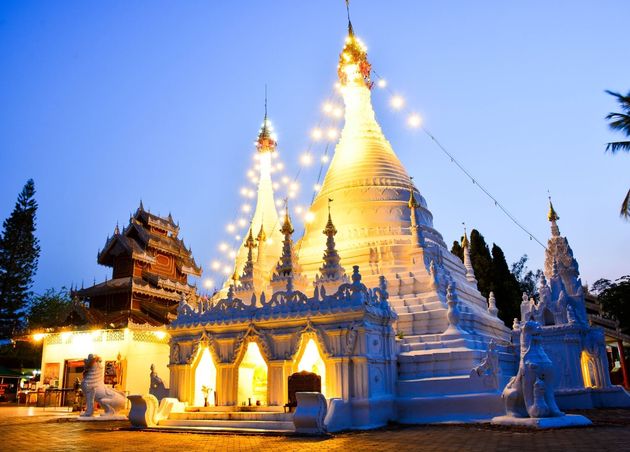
(265, 214)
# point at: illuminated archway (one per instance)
(312, 361)
(589, 372)
(205, 378)
(252, 377)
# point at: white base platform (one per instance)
(568, 420)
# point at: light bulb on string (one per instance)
(223, 246)
(215, 265)
(227, 270)
(317, 187)
(232, 254)
(246, 208)
(327, 107)
(332, 133)
(294, 186)
(382, 83)
(230, 227)
(242, 222)
(325, 158)
(299, 209)
(279, 202)
(414, 120)
(276, 185)
(306, 159)
(337, 112)
(317, 134)
(397, 102)
(244, 191)
(237, 237)
(285, 180)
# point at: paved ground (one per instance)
(54, 433)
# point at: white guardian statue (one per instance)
(111, 400)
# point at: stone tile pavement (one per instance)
(611, 431)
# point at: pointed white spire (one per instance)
(470, 272)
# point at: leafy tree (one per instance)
(481, 261)
(457, 250)
(526, 278)
(493, 275)
(50, 309)
(19, 253)
(507, 291)
(615, 299)
(620, 122)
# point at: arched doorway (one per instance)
(312, 361)
(205, 379)
(252, 377)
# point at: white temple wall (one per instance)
(137, 349)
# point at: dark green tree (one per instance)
(527, 279)
(50, 309)
(481, 261)
(506, 287)
(19, 253)
(620, 122)
(615, 299)
(457, 250)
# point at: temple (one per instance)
(122, 320)
(150, 268)
(368, 309)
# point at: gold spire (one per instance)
(552, 215)
(250, 243)
(330, 229)
(261, 237)
(266, 141)
(413, 204)
(465, 239)
(287, 227)
(354, 66)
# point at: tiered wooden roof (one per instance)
(151, 265)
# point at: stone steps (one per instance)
(226, 425)
(231, 418)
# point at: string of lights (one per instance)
(285, 187)
(414, 120)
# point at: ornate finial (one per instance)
(266, 141)
(465, 243)
(250, 243)
(354, 67)
(350, 30)
(552, 215)
(141, 208)
(287, 227)
(412, 203)
(261, 237)
(331, 270)
(116, 230)
(330, 229)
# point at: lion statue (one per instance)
(93, 388)
(530, 392)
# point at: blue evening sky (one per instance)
(107, 103)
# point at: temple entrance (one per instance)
(589, 373)
(252, 377)
(205, 379)
(312, 361)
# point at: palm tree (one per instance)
(621, 122)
